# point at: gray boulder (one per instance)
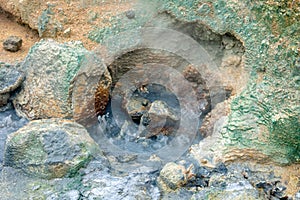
(50, 148)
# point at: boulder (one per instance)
(62, 81)
(49, 148)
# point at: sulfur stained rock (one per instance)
(90, 90)
(61, 82)
(49, 148)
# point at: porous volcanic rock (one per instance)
(50, 148)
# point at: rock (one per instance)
(192, 74)
(136, 107)
(162, 119)
(12, 43)
(203, 33)
(209, 122)
(50, 148)
(237, 191)
(213, 149)
(173, 175)
(10, 80)
(67, 32)
(25, 10)
(90, 90)
(273, 189)
(228, 42)
(9, 123)
(130, 14)
(62, 81)
(4, 99)
(103, 185)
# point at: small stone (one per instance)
(36, 187)
(173, 175)
(137, 107)
(12, 43)
(67, 32)
(127, 158)
(92, 17)
(130, 14)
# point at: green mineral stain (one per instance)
(43, 20)
(270, 33)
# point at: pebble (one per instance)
(12, 43)
(130, 14)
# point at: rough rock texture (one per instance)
(103, 185)
(264, 114)
(51, 80)
(54, 18)
(12, 43)
(263, 123)
(232, 181)
(209, 121)
(161, 116)
(9, 123)
(26, 10)
(173, 175)
(136, 107)
(258, 119)
(49, 148)
(10, 80)
(90, 90)
(94, 182)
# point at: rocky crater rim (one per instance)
(224, 50)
